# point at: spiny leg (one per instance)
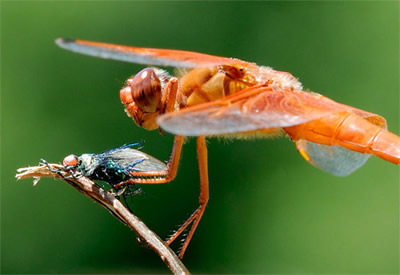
(203, 198)
(170, 175)
(169, 98)
(159, 177)
(153, 178)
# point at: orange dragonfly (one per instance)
(218, 96)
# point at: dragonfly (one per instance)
(228, 97)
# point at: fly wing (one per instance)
(147, 56)
(248, 110)
(135, 161)
(335, 160)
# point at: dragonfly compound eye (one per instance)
(146, 90)
(70, 160)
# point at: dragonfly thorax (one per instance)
(206, 84)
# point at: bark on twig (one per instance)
(116, 208)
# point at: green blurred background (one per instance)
(269, 210)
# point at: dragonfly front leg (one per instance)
(159, 177)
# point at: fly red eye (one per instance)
(70, 160)
(146, 90)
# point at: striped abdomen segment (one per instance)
(351, 132)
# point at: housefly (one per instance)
(114, 167)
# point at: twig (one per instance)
(112, 204)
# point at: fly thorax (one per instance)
(87, 164)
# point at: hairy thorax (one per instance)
(202, 85)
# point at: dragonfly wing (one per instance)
(335, 160)
(147, 56)
(238, 113)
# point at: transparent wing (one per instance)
(335, 160)
(251, 109)
(135, 160)
(147, 56)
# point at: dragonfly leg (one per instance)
(169, 96)
(203, 198)
(168, 99)
(160, 177)
(173, 164)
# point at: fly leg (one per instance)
(126, 192)
(68, 169)
(119, 192)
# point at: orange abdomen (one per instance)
(352, 132)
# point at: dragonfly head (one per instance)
(142, 96)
